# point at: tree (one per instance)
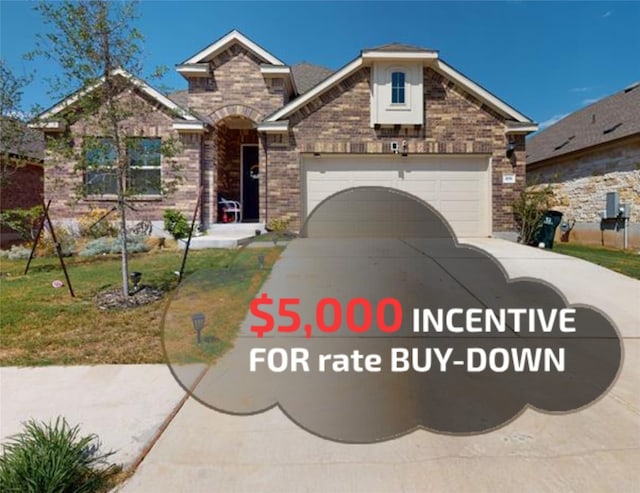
(16, 141)
(98, 50)
(528, 209)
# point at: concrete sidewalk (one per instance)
(595, 449)
(125, 405)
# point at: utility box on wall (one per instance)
(613, 205)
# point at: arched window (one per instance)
(397, 88)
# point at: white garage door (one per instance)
(458, 187)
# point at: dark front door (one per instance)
(250, 184)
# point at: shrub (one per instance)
(141, 228)
(98, 223)
(105, 245)
(54, 457)
(176, 224)
(278, 225)
(23, 221)
(135, 244)
(18, 252)
(99, 246)
(528, 210)
(46, 246)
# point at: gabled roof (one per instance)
(181, 98)
(226, 41)
(429, 57)
(307, 75)
(138, 83)
(20, 140)
(609, 119)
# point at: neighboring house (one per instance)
(21, 178)
(280, 139)
(587, 154)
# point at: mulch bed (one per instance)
(112, 298)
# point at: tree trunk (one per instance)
(123, 236)
(123, 245)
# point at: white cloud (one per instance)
(606, 14)
(580, 89)
(552, 120)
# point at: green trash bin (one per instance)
(550, 221)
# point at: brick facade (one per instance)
(23, 189)
(237, 95)
(63, 178)
(236, 90)
(338, 122)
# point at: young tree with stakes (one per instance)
(98, 50)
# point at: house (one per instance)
(280, 139)
(21, 178)
(584, 156)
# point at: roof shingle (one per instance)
(308, 75)
(606, 120)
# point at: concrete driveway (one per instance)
(596, 449)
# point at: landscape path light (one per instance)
(198, 324)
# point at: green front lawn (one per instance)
(624, 262)
(42, 325)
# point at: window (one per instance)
(100, 177)
(144, 166)
(144, 174)
(277, 84)
(397, 88)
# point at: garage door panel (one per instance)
(457, 187)
(460, 200)
(463, 206)
(425, 186)
(449, 185)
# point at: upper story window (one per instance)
(398, 88)
(397, 93)
(144, 176)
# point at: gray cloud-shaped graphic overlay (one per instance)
(375, 243)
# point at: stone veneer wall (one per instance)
(338, 122)
(62, 179)
(580, 182)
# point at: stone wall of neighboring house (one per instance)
(338, 121)
(23, 189)
(580, 182)
(62, 179)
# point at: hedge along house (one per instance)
(281, 139)
(586, 155)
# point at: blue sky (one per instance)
(547, 59)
